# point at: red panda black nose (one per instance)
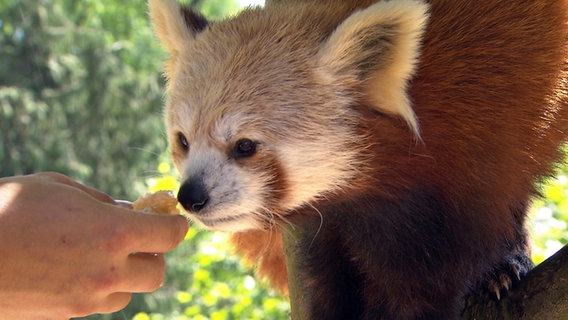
(193, 196)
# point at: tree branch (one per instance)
(543, 294)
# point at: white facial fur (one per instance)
(288, 85)
(295, 167)
(230, 192)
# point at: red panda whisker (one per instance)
(319, 227)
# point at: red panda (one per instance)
(415, 132)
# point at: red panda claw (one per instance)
(497, 293)
(506, 282)
(517, 272)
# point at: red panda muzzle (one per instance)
(193, 196)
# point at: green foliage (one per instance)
(205, 281)
(80, 91)
(549, 215)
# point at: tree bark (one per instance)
(299, 296)
(542, 294)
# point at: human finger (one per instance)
(138, 272)
(145, 272)
(124, 204)
(63, 179)
(150, 233)
(114, 302)
(82, 306)
(161, 233)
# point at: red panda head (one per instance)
(259, 107)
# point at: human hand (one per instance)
(68, 250)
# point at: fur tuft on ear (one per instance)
(379, 46)
(174, 24)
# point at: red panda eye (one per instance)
(244, 148)
(182, 141)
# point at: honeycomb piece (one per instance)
(160, 202)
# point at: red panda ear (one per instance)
(379, 46)
(174, 24)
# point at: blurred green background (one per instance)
(81, 94)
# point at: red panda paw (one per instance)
(507, 274)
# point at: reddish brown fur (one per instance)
(267, 251)
(491, 108)
(490, 96)
(423, 223)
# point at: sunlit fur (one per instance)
(414, 133)
(396, 27)
(213, 103)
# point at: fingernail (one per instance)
(124, 204)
